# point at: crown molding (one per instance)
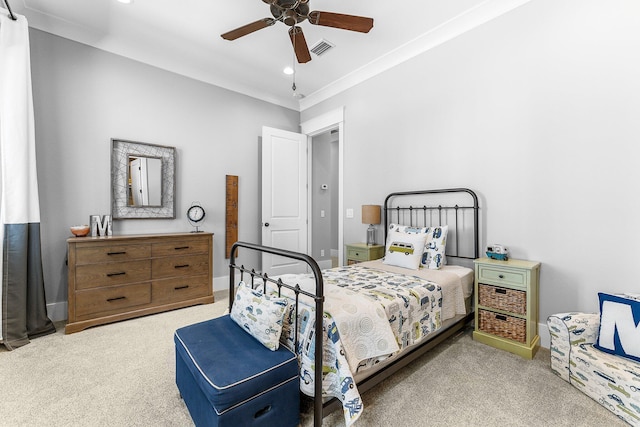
(465, 22)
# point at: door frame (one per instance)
(330, 120)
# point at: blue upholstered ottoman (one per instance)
(227, 378)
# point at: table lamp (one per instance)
(371, 216)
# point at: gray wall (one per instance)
(538, 112)
(324, 171)
(83, 97)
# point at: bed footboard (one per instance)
(318, 298)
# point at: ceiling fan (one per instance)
(292, 12)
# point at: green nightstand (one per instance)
(506, 301)
(358, 252)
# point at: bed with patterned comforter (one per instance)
(371, 313)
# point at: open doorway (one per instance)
(324, 194)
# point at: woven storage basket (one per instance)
(505, 299)
(503, 325)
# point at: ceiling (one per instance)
(183, 36)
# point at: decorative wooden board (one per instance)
(231, 219)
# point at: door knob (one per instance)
(266, 224)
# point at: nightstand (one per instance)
(506, 301)
(358, 252)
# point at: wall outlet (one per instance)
(321, 252)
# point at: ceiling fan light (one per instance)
(290, 18)
(288, 71)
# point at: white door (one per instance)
(138, 170)
(284, 198)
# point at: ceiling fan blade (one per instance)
(299, 44)
(248, 29)
(338, 20)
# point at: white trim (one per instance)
(315, 126)
(466, 21)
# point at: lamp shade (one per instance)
(371, 214)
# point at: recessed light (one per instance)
(126, 1)
(288, 71)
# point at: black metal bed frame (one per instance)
(417, 217)
(422, 216)
(318, 298)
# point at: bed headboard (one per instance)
(455, 207)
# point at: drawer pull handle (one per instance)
(117, 253)
(181, 247)
(115, 299)
(177, 288)
(500, 276)
(182, 266)
(501, 291)
(501, 317)
(119, 273)
(357, 254)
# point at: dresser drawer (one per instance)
(180, 289)
(111, 300)
(502, 325)
(502, 276)
(179, 248)
(180, 266)
(116, 253)
(111, 274)
(512, 300)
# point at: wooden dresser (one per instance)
(120, 277)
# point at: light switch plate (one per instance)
(349, 213)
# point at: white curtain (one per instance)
(22, 306)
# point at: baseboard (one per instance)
(57, 311)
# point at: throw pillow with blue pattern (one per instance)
(619, 326)
(435, 247)
(433, 254)
(260, 315)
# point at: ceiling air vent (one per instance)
(321, 47)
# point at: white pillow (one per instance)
(259, 314)
(435, 246)
(404, 249)
(433, 256)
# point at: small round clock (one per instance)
(195, 215)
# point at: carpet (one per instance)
(123, 374)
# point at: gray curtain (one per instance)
(23, 311)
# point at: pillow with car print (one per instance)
(404, 249)
(260, 315)
(433, 256)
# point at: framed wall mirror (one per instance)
(142, 180)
